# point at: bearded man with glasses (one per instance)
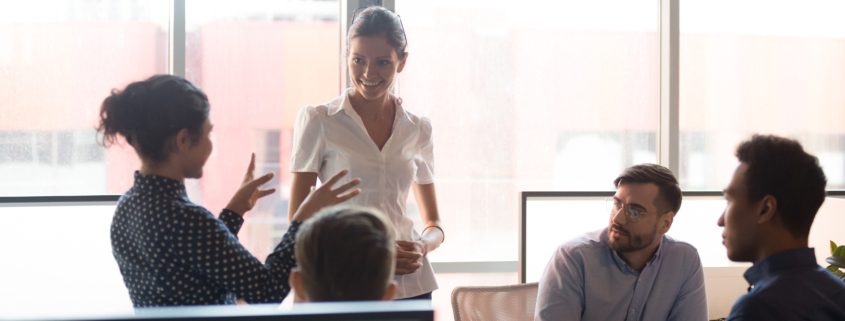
(629, 270)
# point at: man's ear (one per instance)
(390, 292)
(666, 221)
(768, 208)
(295, 281)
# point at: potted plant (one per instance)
(836, 260)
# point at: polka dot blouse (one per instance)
(173, 252)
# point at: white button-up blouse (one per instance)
(332, 137)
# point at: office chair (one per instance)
(500, 303)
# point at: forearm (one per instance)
(280, 262)
(431, 237)
(269, 283)
(214, 252)
(232, 220)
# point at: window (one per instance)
(531, 96)
(534, 95)
(760, 66)
(259, 61)
(54, 81)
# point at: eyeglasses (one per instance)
(634, 212)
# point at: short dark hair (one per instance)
(148, 113)
(669, 198)
(346, 254)
(781, 168)
(378, 21)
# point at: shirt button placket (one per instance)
(632, 311)
(383, 181)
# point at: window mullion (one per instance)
(177, 39)
(668, 135)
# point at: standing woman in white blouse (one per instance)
(367, 131)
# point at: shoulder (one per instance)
(321, 110)
(794, 295)
(311, 112)
(752, 306)
(311, 119)
(420, 122)
(811, 285)
(679, 249)
(187, 212)
(585, 245)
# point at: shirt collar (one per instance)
(160, 185)
(346, 106)
(781, 261)
(342, 105)
(620, 263)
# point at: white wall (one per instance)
(59, 257)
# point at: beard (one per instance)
(630, 242)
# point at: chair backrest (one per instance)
(500, 303)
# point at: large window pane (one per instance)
(537, 95)
(58, 60)
(760, 67)
(259, 61)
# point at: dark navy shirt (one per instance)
(173, 252)
(789, 285)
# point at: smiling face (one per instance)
(627, 234)
(373, 64)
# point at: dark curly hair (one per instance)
(781, 168)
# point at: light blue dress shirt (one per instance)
(586, 280)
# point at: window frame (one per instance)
(668, 133)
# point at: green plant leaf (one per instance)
(839, 252)
(835, 270)
(836, 261)
(832, 247)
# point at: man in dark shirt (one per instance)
(771, 203)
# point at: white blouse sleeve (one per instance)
(308, 142)
(425, 158)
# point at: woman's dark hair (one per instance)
(378, 21)
(148, 113)
(781, 168)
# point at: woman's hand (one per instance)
(246, 196)
(326, 196)
(408, 257)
